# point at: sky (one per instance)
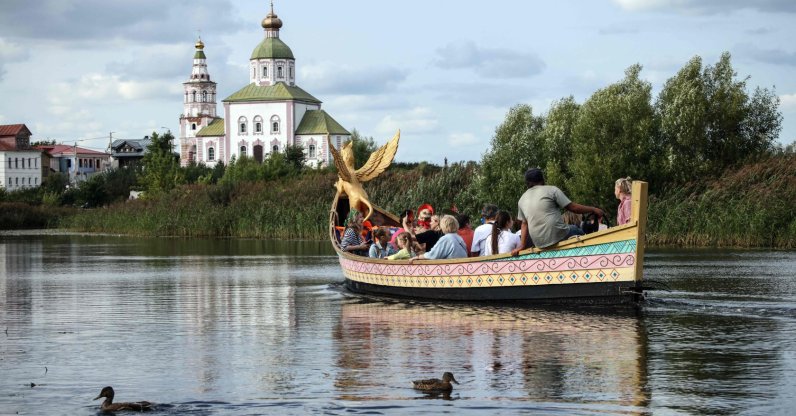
(444, 72)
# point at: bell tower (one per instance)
(199, 104)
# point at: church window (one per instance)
(193, 126)
(258, 125)
(291, 72)
(204, 96)
(311, 151)
(254, 72)
(242, 125)
(274, 124)
(193, 96)
(243, 151)
(279, 72)
(265, 72)
(275, 149)
(211, 154)
(186, 96)
(23, 163)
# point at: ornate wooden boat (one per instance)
(605, 267)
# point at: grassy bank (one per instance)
(20, 215)
(754, 206)
(748, 207)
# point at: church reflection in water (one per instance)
(496, 352)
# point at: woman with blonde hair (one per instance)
(450, 246)
(622, 192)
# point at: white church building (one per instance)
(262, 118)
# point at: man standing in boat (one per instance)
(540, 212)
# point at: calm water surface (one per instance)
(240, 327)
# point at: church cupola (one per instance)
(199, 102)
(272, 60)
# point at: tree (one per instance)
(708, 122)
(558, 137)
(43, 143)
(161, 168)
(518, 144)
(614, 137)
(295, 156)
(362, 147)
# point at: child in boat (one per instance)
(450, 246)
(407, 219)
(407, 249)
(352, 240)
(622, 192)
(502, 239)
(381, 246)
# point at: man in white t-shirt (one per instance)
(482, 233)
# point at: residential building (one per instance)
(20, 164)
(63, 158)
(126, 153)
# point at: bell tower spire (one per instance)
(199, 103)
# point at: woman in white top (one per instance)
(502, 239)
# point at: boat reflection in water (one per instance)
(495, 352)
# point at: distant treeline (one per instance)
(705, 144)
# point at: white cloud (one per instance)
(10, 52)
(101, 88)
(415, 121)
(334, 78)
(708, 6)
(787, 102)
(462, 139)
(491, 62)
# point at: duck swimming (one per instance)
(435, 385)
(109, 406)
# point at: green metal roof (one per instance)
(214, 129)
(272, 48)
(319, 122)
(200, 54)
(278, 92)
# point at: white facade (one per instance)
(20, 169)
(260, 119)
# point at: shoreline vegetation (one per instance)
(706, 145)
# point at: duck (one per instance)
(109, 406)
(435, 385)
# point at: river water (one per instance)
(241, 327)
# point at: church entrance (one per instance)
(258, 153)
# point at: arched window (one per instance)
(211, 154)
(193, 126)
(258, 125)
(243, 151)
(186, 96)
(274, 124)
(275, 149)
(193, 96)
(204, 96)
(265, 71)
(311, 151)
(279, 72)
(291, 72)
(242, 125)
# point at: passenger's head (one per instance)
(448, 224)
(622, 187)
(464, 220)
(489, 211)
(534, 176)
(402, 240)
(383, 235)
(502, 222)
(424, 212)
(354, 219)
(434, 222)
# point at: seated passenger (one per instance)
(483, 231)
(407, 219)
(429, 238)
(381, 247)
(407, 249)
(450, 246)
(465, 231)
(502, 239)
(424, 214)
(622, 192)
(540, 212)
(352, 240)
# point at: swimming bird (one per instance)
(109, 406)
(350, 180)
(435, 385)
